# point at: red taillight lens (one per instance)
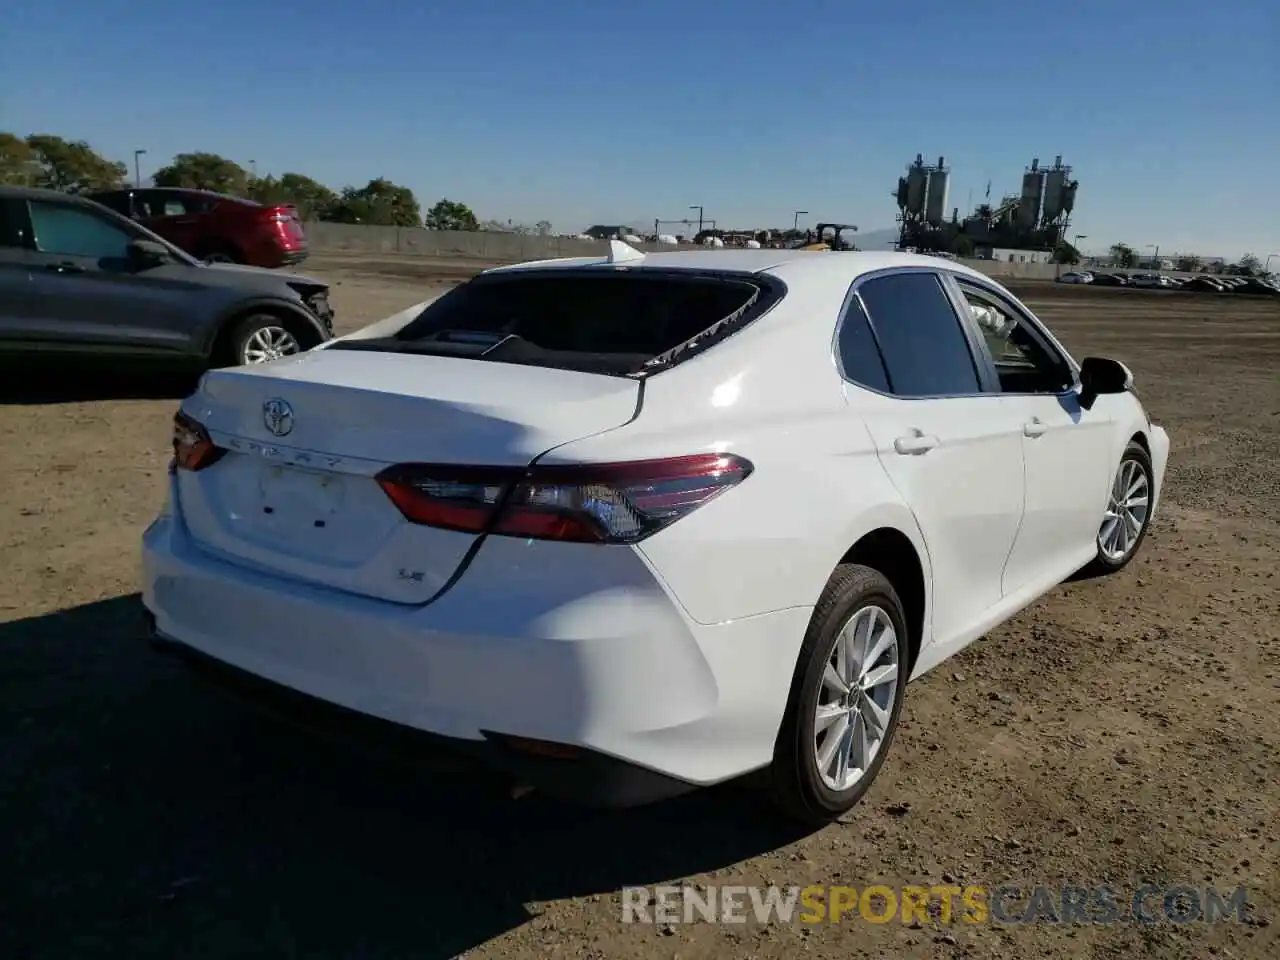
(192, 448)
(596, 503)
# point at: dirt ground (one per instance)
(1119, 732)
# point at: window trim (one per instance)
(957, 282)
(988, 385)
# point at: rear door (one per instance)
(173, 214)
(84, 294)
(952, 448)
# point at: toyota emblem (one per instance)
(278, 417)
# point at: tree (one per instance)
(73, 165)
(18, 164)
(1124, 255)
(1249, 266)
(204, 171)
(451, 215)
(379, 202)
(1066, 253)
(312, 199)
(963, 246)
(1188, 264)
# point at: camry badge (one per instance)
(277, 415)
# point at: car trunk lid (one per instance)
(295, 492)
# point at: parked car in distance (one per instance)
(1076, 278)
(629, 526)
(214, 227)
(78, 278)
(1109, 280)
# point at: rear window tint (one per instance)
(609, 322)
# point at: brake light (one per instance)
(591, 503)
(192, 448)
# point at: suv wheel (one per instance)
(262, 338)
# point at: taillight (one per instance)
(192, 448)
(591, 503)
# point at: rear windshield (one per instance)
(615, 322)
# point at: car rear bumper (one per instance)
(291, 258)
(600, 660)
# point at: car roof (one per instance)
(784, 264)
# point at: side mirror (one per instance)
(1100, 376)
(144, 254)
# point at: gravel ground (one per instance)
(1120, 731)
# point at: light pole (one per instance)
(699, 209)
(795, 226)
(137, 169)
(1266, 267)
(1155, 257)
(253, 169)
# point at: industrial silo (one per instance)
(917, 183)
(1032, 192)
(1055, 183)
(936, 196)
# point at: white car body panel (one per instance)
(675, 654)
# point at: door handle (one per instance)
(65, 267)
(1033, 427)
(915, 443)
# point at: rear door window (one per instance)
(606, 321)
(926, 352)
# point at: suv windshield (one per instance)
(620, 322)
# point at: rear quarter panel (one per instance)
(770, 394)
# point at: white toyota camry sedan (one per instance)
(633, 525)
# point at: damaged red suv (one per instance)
(215, 227)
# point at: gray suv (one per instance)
(78, 278)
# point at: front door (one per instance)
(85, 293)
(1066, 449)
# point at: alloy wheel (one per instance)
(1127, 511)
(855, 704)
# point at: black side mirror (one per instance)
(1100, 376)
(144, 254)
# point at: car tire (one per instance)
(220, 256)
(803, 785)
(1134, 470)
(263, 334)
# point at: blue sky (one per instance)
(598, 111)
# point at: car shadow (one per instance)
(149, 816)
(48, 382)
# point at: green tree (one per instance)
(1066, 253)
(312, 199)
(379, 202)
(963, 246)
(73, 165)
(18, 164)
(1124, 255)
(1248, 266)
(204, 171)
(451, 215)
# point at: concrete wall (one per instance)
(490, 247)
(487, 248)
